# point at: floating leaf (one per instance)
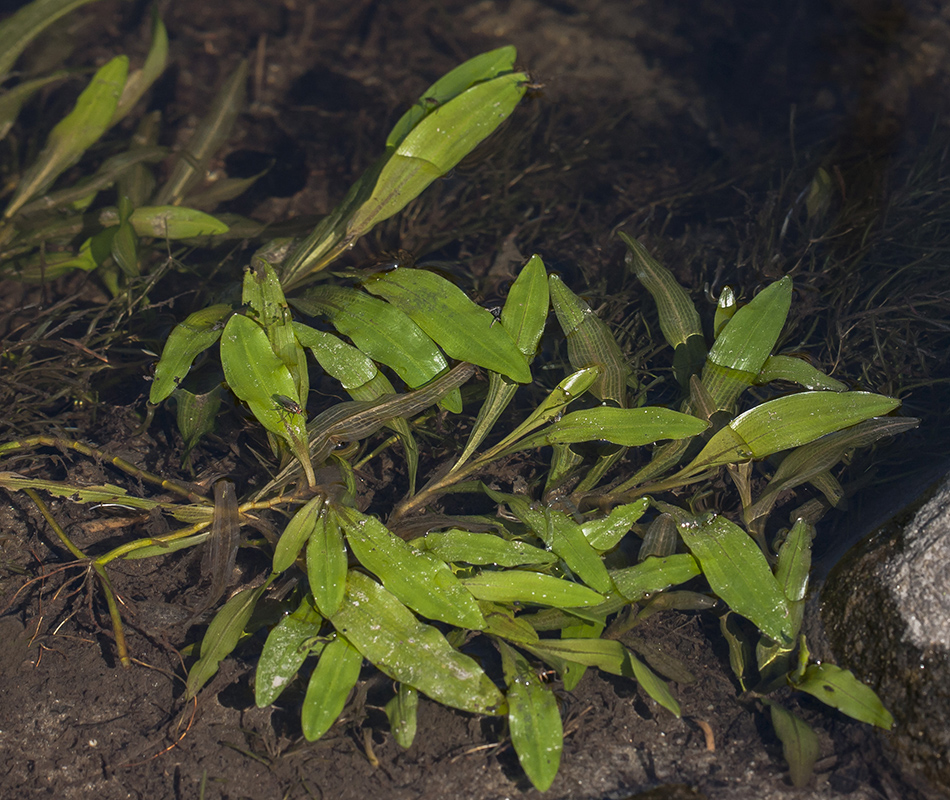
(389, 635)
(174, 222)
(797, 370)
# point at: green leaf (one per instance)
(605, 534)
(258, 377)
(590, 344)
(679, 320)
(654, 686)
(799, 743)
(12, 100)
(389, 635)
(463, 329)
(523, 316)
(140, 80)
(382, 332)
(482, 67)
(797, 370)
(726, 309)
(175, 222)
(212, 132)
(519, 586)
(630, 427)
(607, 655)
(423, 583)
(738, 573)
(75, 133)
(788, 422)
(326, 564)
(534, 721)
(340, 360)
(222, 636)
(331, 682)
(457, 546)
(744, 344)
(839, 689)
(502, 623)
(794, 560)
(402, 711)
(549, 409)
(654, 575)
(18, 30)
(189, 338)
(564, 536)
(285, 650)
(435, 145)
(297, 533)
(195, 413)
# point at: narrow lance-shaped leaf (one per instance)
(839, 689)
(212, 132)
(284, 652)
(679, 320)
(327, 563)
(482, 67)
(75, 133)
(463, 329)
(391, 637)
(534, 720)
(222, 636)
(21, 28)
(744, 345)
(330, 684)
(631, 427)
(436, 144)
(738, 573)
(799, 743)
(297, 533)
(456, 546)
(421, 582)
(788, 422)
(590, 344)
(523, 316)
(189, 338)
(520, 586)
(381, 331)
(140, 80)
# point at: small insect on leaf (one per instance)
(288, 404)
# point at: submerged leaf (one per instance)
(389, 635)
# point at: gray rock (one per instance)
(885, 608)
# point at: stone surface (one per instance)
(886, 614)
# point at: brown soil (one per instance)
(653, 117)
